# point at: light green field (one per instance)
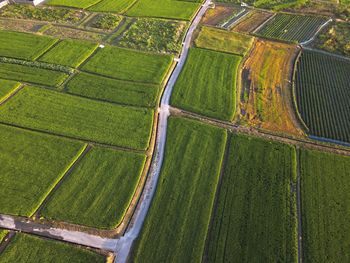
(113, 90)
(23, 45)
(31, 74)
(73, 3)
(72, 116)
(6, 88)
(223, 40)
(177, 222)
(3, 233)
(31, 164)
(255, 215)
(24, 248)
(207, 84)
(69, 53)
(99, 190)
(130, 65)
(116, 6)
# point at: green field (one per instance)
(23, 45)
(181, 10)
(3, 233)
(207, 84)
(73, 3)
(117, 6)
(63, 114)
(24, 248)
(31, 164)
(32, 74)
(178, 219)
(6, 88)
(130, 65)
(99, 190)
(112, 90)
(223, 40)
(255, 215)
(69, 53)
(325, 185)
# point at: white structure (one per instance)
(34, 2)
(3, 3)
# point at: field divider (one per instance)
(48, 50)
(11, 94)
(7, 239)
(316, 33)
(299, 216)
(263, 24)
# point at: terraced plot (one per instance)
(24, 45)
(99, 190)
(73, 3)
(130, 65)
(294, 28)
(69, 53)
(207, 84)
(322, 87)
(7, 87)
(24, 248)
(325, 185)
(67, 115)
(255, 214)
(180, 212)
(117, 6)
(31, 165)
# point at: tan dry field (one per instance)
(252, 21)
(216, 15)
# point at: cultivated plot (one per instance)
(116, 6)
(252, 21)
(7, 87)
(207, 84)
(180, 212)
(73, 3)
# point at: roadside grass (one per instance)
(3, 233)
(69, 53)
(130, 65)
(80, 118)
(6, 88)
(112, 90)
(325, 184)
(73, 3)
(25, 248)
(207, 84)
(31, 165)
(181, 10)
(32, 74)
(99, 190)
(177, 221)
(255, 215)
(116, 6)
(24, 45)
(223, 40)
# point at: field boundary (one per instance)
(317, 32)
(263, 24)
(299, 213)
(11, 94)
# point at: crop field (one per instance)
(251, 21)
(322, 98)
(325, 184)
(73, 3)
(7, 87)
(184, 192)
(3, 233)
(80, 118)
(69, 53)
(31, 165)
(113, 90)
(23, 45)
(207, 84)
(216, 16)
(25, 248)
(223, 40)
(99, 190)
(174, 9)
(255, 215)
(117, 6)
(293, 28)
(127, 64)
(265, 98)
(32, 74)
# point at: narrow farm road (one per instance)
(124, 244)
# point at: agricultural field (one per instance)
(255, 214)
(113, 90)
(80, 118)
(7, 87)
(322, 99)
(116, 6)
(73, 33)
(23, 45)
(251, 21)
(31, 165)
(130, 65)
(105, 21)
(73, 3)
(99, 190)
(223, 40)
(25, 248)
(69, 53)
(184, 192)
(220, 14)
(212, 91)
(325, 186)
(292, 28)
(275, 5)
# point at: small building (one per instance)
(33, 2)
(3, 3)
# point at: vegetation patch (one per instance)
(63, 114)
(179, 215)
(7, 87)
(3, 234)
(220, 14)
(207, 84)
(275, 5)
(73, 3)
(106, 21)
(251, 21)
(112, 90)
(25, 248)
(117, 6)
(31, 165)
(127, 64)
(75, 33)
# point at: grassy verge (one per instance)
(6, 88)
